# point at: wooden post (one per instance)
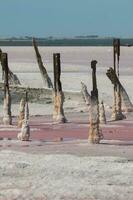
(21, 113)
(95, 134)
(102, 117)
(7, 119)
(46, 79)
(85, 94)
(116, 111)
(58, 114)
(127, 104)
(12, 78)
(24, 135)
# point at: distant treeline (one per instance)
(77, 41)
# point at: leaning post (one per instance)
(58, 114)
(95, 134)
(7, 119)
(45, 77)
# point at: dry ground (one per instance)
(47, 168)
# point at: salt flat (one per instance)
(39, 173)
(75, 67)
(28, 176)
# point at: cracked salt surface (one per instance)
(55, 177)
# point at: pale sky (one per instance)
(66, 18)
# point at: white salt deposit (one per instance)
(27, 176)
(75, 67)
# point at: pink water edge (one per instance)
(43, 128)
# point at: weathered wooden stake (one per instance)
(12, 78)
(127, 105)
(58, 114)
(46, 79)
(85, 94)
(21, 113)
(7, 119)
(24, 135)
(116, 110)
(95, 134)
(102, 117)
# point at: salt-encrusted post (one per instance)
(116, 111)
(24, 135)
(46, 79)
(95, 134)
(12, 78)
(102, 117)
(127, 104)
(21, 112)
(85, 94)
(58, 114)
(7, 119)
